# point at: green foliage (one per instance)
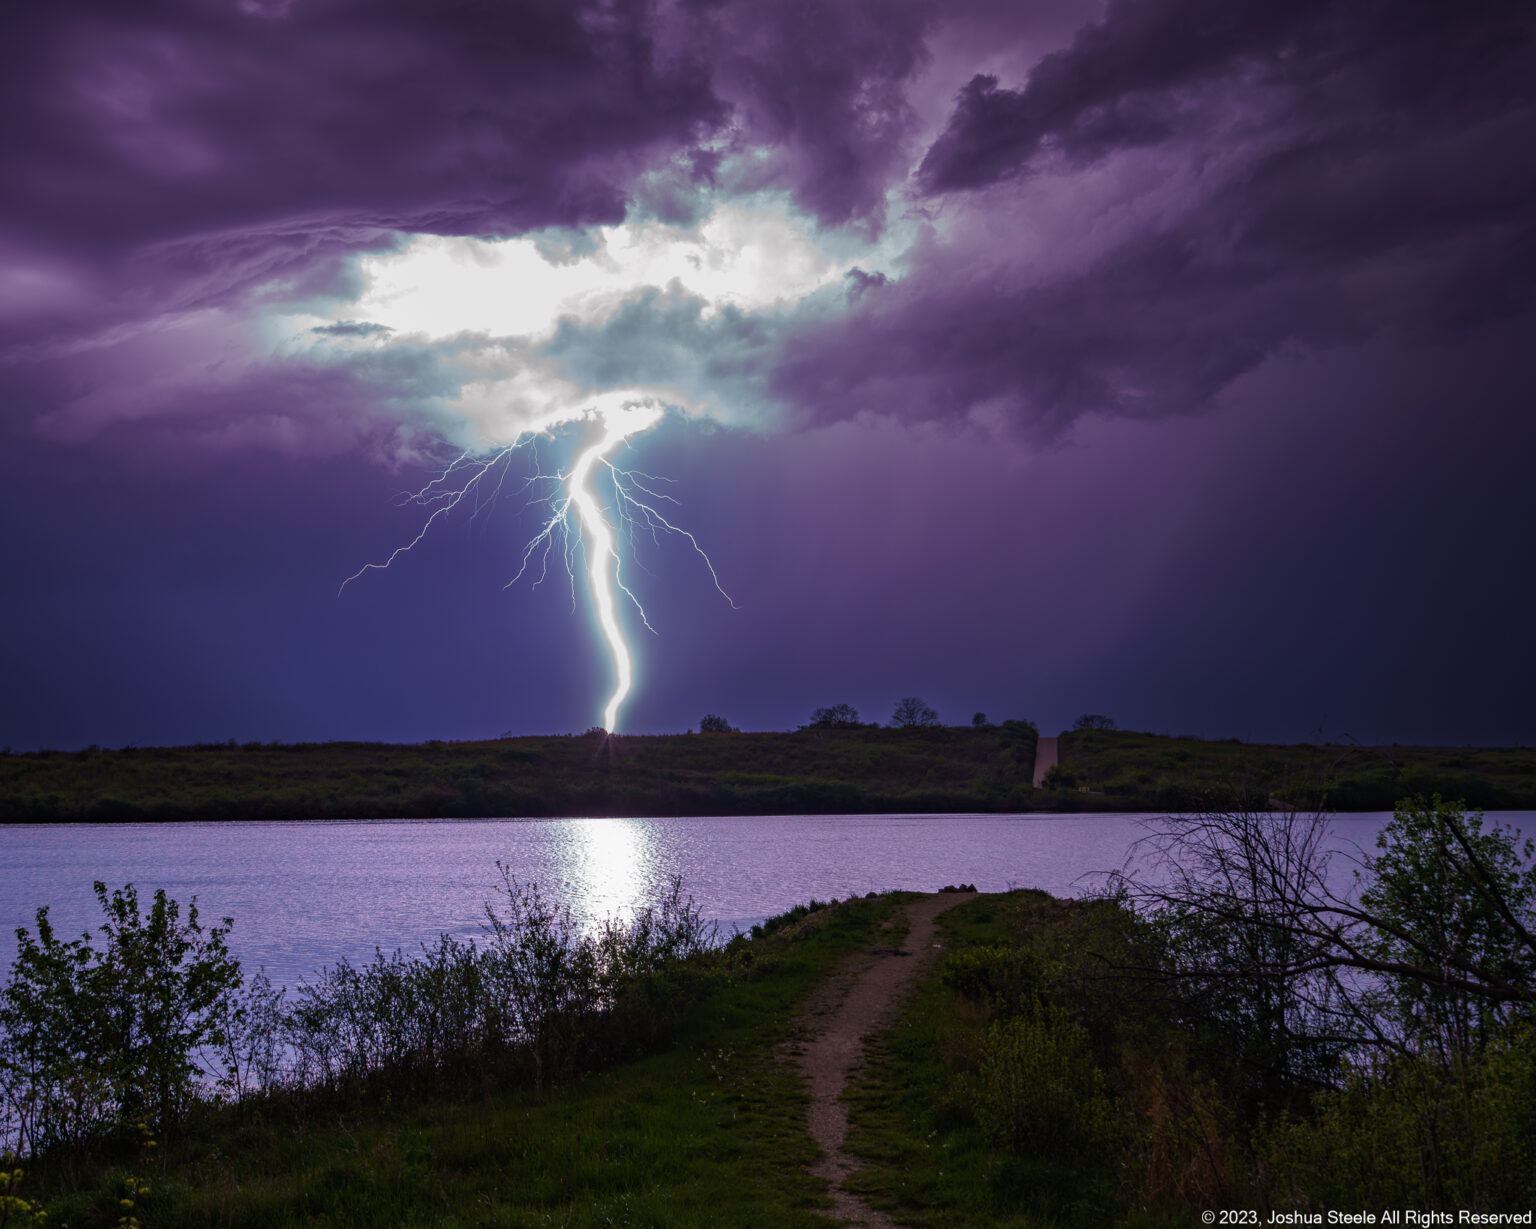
(706, 1131)
(96, 1036)
(851, 768)
(1059, 776)
(1415, 1132)
(1156, 772)
(1005, 977)
(713, 724)
(15, 1211)
(1451, 897)
(1040, 1090)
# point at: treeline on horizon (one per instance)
(818, 769)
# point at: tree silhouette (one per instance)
(913, 711)
(1094, 721)
(835, 715)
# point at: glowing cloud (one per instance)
(485, 309)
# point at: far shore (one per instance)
(993, 769)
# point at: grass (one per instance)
(711, 1131)
(912, 1116)
(809, 771)
(1155, 772)
(823, 771)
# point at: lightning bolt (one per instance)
(479, 481)
(619, 425)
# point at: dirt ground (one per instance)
(856, 1000)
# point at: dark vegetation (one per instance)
(1152, 772)
(1236, 1038)
(817, 770)
(549, 1074)
(830, 766)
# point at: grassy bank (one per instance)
(1046, 1075)
(1060, 1063)
(1154, 772)
(709, 1131)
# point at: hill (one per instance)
(861, 769)
(1156, 773)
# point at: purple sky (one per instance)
(1170, 359)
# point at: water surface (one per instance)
(307, 894)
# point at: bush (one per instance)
(158, 1018)
(1039, 1089)
(1414, 1132)
(96, 1037)
(1005, 978)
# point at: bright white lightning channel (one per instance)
(602, 558)
(480, 479)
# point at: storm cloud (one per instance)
(915, 273)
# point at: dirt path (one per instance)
(848, 1007)
(1045, 759)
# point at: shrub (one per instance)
(92, 1037)
(1006, 978)
(1414, 1132)
(1039, 1089)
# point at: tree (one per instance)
(713, 724)
(1094, 721)
(1444, 888)
(94, 1036)
(834, 716)
(979, 720)
(1432, 954)
(913, 711)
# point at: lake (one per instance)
(307, 894)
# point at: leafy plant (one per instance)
(14, 1210)
(93, 1036)
(1039, 1088)
(1447, 894)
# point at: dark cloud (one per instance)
(1237, 178)
(1148, 69)
(819, 92)
(149, 122)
